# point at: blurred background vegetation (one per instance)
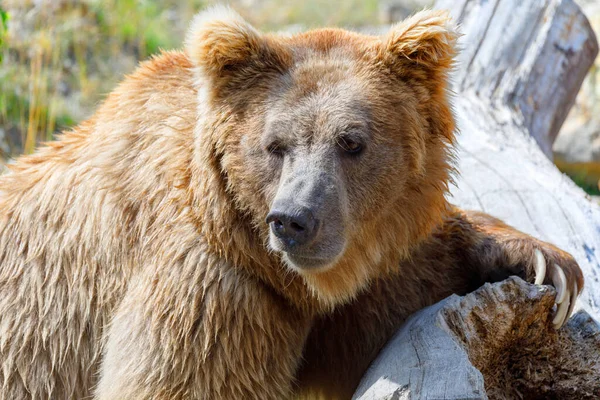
(59, 59)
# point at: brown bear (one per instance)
(251, 218)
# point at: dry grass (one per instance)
(59, 58)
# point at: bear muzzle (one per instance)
(294, 227)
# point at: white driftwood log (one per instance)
(520, 67)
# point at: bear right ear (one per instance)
(425, 42)
(230, 52)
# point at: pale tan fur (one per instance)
(133, 256)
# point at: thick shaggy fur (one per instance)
(133, 256)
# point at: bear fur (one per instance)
(135, 261)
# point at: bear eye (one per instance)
(276, 149)
(350, 146)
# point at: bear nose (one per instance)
(297, 227)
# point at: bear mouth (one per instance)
(318, 257)
(303, 263)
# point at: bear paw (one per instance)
(559, 269)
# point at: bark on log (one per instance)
(505, 330)
(521, 65)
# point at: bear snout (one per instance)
(293, 226)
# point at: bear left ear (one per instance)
(426, 40)
(230, 52)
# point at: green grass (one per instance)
(583, 181)
(3, 30)
(142, 26)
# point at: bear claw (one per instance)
(574, 295)
(560, 282)
(565, 298)
(561, 314)
(540, 267)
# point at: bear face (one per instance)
(328, 138)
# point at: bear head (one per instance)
(334, 147)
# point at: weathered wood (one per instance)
(504, 329)
(521, 65)
(423, 360)
(530, 56)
